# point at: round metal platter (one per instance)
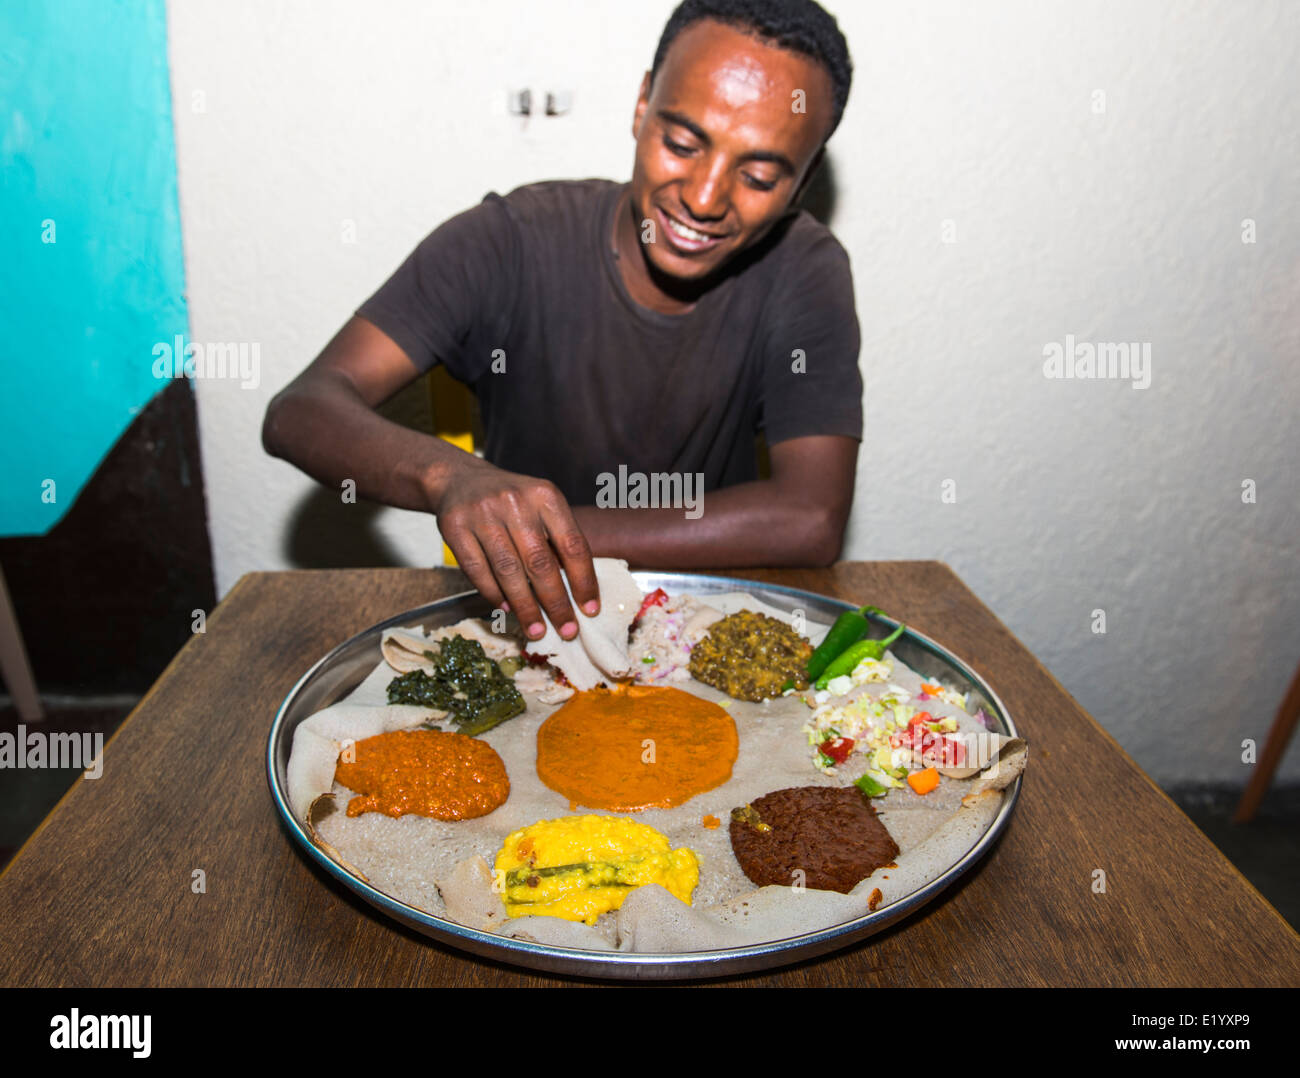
(339, 672)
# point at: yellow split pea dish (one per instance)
(578, 867)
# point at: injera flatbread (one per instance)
(444, 867)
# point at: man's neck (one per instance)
(646, 284)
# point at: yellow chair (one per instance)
(455, 420)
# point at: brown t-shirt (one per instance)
(521, 298)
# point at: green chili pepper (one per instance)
(849, 627)
(848, 660)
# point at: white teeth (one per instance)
(687, 233)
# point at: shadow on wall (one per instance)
(819, 199)
(326, 533)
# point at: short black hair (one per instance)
(801, 26)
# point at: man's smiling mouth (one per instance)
(688, 238)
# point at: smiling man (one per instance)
(646, 329)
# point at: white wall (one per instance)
(1122, 224)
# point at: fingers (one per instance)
(504, 566)
(508, 548)
(543, 573)
(575, 555)
(473, 563)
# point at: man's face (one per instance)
(722, 146)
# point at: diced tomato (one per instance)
(837, 748)
(945, 751)
(656, 598)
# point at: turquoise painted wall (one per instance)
(91, 270)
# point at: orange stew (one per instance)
(427, 772)
(636, 747)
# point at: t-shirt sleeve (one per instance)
(450, 302)
(811, 383)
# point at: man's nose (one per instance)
(704, 193)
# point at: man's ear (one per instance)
(642, 103)
(813, 166)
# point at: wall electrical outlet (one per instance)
(520, 102)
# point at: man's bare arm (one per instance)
(325, 423)
(510, 533)
(797, 517)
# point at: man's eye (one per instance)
(759, 185)
(677, 147)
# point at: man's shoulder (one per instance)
(546, 200)
(804, 237)
(800, 261)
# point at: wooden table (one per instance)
(104, 893)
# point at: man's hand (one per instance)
(511, 535)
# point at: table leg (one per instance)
(14, 666)
(1278, 736)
